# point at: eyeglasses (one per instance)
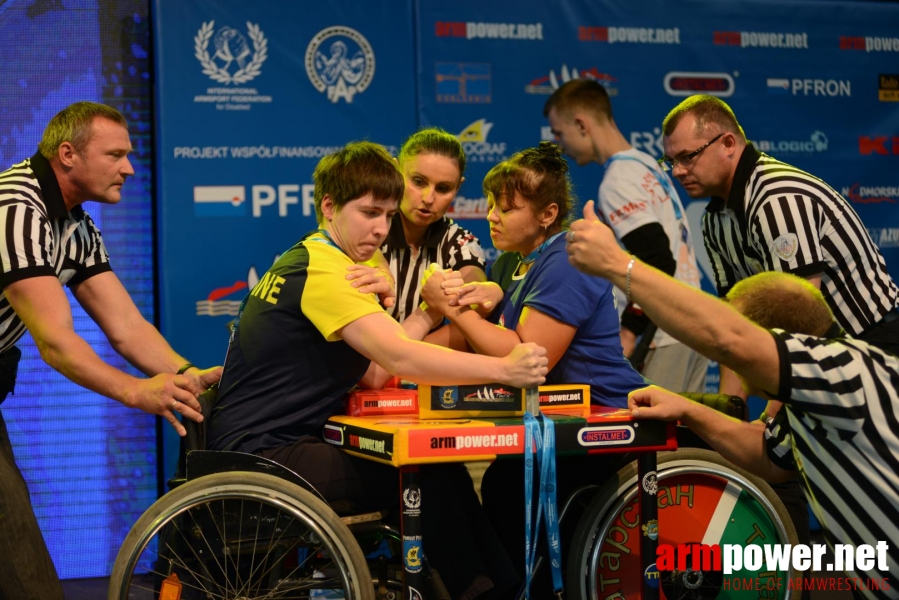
(686, 160)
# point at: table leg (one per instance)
(649, 528)
(410, 527)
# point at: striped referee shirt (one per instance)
(779, 218)
(840, 429)
(41, 237)
(445, 243)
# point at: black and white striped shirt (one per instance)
(779, 218)
(445, 243)
(840, 429)
(41, 237)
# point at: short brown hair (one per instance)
(540, 175)
(584, 94)
(777, 300)
(707, 110)
(73, 124)
(357, 169)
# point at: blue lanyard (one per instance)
(328, 240)
(663, 180)
(534, 255)
(546, 460)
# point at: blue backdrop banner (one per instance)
(251, 96)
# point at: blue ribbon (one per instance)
(545, 456)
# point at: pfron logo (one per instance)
(880, 144)
(817, 142)
(863, 194)
(463, 83)
(340, 60)
(232, 53)
(219, 201)
(549, 83)
(226, 300)
(477, 148)
(685, 83)
(809, 87)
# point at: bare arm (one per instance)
(43, 307)
(416, 326)
(740, 442)
(708, 325)
(384, 341)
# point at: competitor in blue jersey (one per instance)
(546, 301)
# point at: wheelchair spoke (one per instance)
(204, 533)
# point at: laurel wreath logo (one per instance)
(253, 68)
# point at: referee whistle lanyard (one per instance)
(547, 508)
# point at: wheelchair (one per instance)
(237, 527)
(241, 527)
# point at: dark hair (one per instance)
(433, 140)
(584, 94)
(73, 124)
(357, 169)
(540, 175)
(707, 110)
(782, 301)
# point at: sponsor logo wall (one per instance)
(252, 96)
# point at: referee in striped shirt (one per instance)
(49, 241)
(766, 215)
(838, 427)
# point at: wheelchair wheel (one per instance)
(240, 536)
(702, 499)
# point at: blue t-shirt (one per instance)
(557, 289)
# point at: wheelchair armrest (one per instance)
(733, 406)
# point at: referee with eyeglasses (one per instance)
(766, 215)
(49, 241)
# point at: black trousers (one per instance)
(457, 537)
(885, 334)
(26, 569)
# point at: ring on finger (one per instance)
(570, 236)
(172, 406)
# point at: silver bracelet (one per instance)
(627, 279)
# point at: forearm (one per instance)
(148, 351)
(417, 326)
(71, 356)
(483, 336)
(706, 324)
(739, 442)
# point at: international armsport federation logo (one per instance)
(340, 60)
(233, 61)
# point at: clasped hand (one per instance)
(445, 289)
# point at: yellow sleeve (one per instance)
(329, 301)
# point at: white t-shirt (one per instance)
(632, 195)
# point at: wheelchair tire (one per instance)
(702, 499)
(241, 535)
